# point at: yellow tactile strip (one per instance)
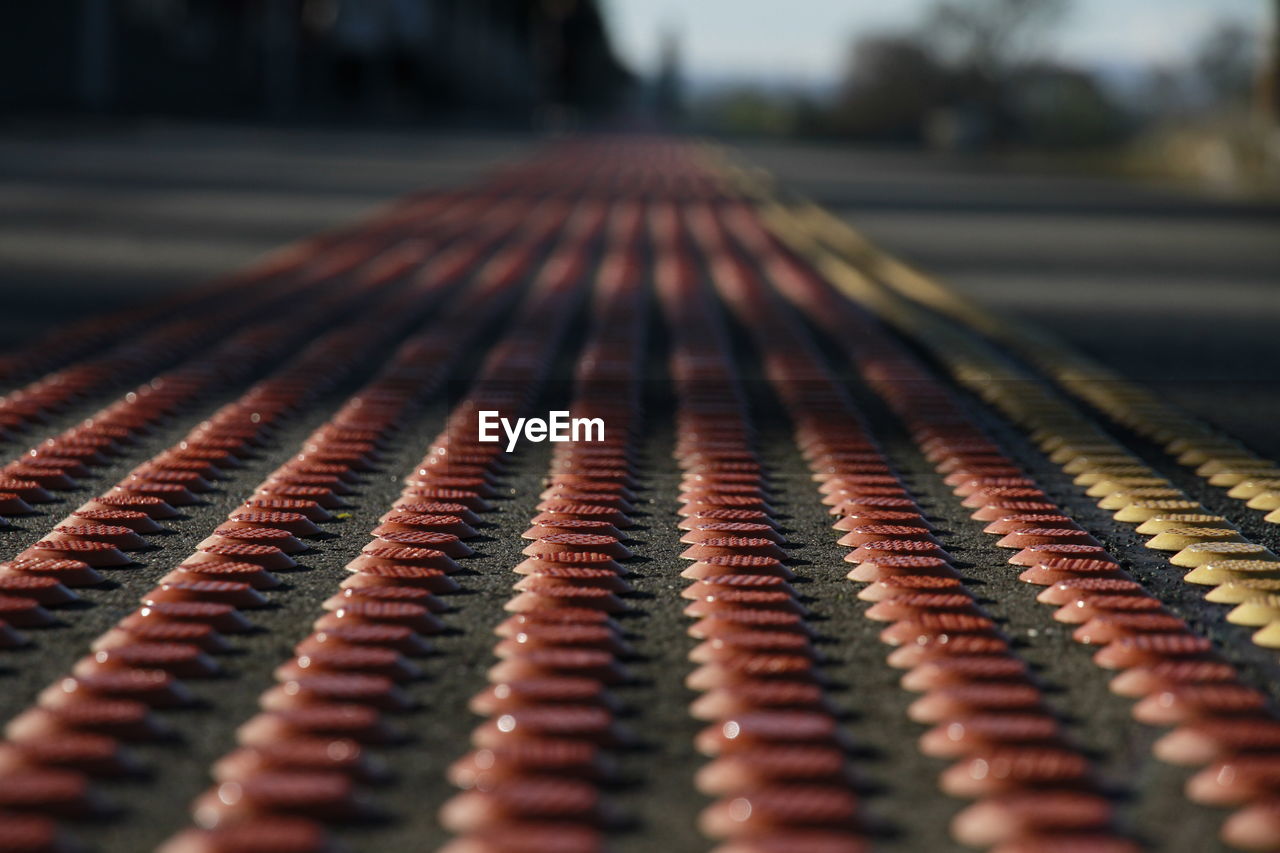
(1219, 459)
(1120, 481)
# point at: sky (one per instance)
(805, 42)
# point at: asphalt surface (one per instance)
(1168, 288)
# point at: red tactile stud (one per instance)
(1009, 769)
(1005, 818)
(321, 755)
(312, 510)
(267, 556)
(457, 510)
(1048, 572)
(44, 590)
(248, 573)
(94, 755)
(398, 637)
(138, 522)
(1090, 607)
(173, 494)
(153, 507)
(736, 564)
(360, 723)
(408, 522)
(96, 554)
(365, 612)
(1190, 702)
(221, 617)
(1199, 743)
(366, 660)
(1255, 827)
(965, 700)
(377, 556)
(340, 688)
(1109, 627)
(436, 581)
(28, 833)
(963, 669)
(195, 634)
(155, 688)
(12, 504)
(239, 595)
(767, 765)
(23, 612)
(776, 808)
(1147, 649)
(324, 796)
(554, 661)
(1071, 590)
(122, 537)
(1035, 554)
(752, 729)
(541, 799)
(506, 696)
(238, 531)
(416, 595)
(182, 660)
(983, 732)
(485, 768)
(61, 793)
(255, 835)
(912, 605)
(445, 542)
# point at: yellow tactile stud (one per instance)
(1195, 440)
(1196, 455)
(1069, 450)
(1110, 472)
(1161, 523)
(1249, 489)
(1217, 464)
(1179, 538)
(1272, 517)
(1120, 500)
(1246, 489)
(1139, 511)
(1050, 438)
(1197, 555)
(1256, 611)
(1267, 500)
(1230, 571)
(1111, 485)
(1268, 637)
(1233, 476)
(1234, 592)
(1083, 463)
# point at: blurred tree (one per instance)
(1059, 107)
(984, 44)
(1267, 94)
(891, 87)
(668, 87)
(751, 111)
(1226, 63)
(990, 37)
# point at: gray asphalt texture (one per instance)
(1169, 288)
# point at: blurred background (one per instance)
(1178, 87)
(1076, 162)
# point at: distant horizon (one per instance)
(727, 43)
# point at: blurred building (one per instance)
(308, 58)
